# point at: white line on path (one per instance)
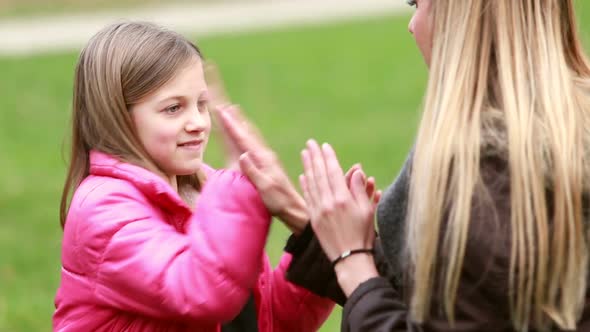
(70, 32)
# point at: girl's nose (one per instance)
(196, 120)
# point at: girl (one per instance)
(154, 239)
(486, 227)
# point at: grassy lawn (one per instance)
(357, 85)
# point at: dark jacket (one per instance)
(381, 304)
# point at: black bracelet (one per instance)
(352, 252)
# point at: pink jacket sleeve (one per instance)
(205, 275)
(295, 309)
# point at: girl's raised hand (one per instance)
(247, 149)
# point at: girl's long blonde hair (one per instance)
(521, 59)
(119, 66)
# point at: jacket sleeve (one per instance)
(205, 274)
(376, 306)
(311, 269)
(295, 309)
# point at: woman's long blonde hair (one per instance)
(119, 66)
(523, 60)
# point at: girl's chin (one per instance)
(188, 168)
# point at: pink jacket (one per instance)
(136, 258)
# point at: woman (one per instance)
(485, 227)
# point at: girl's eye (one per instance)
(202, 105)
(411, 3)
(172, 109)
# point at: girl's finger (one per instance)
(358, 189)
(375, 200)
(370, 187)
(348, 174)
(257, 139)
(235, 130)
(217, 93)
(259, 157)
(377, 197)
(238, 129)
(253, 173)
(226, 131)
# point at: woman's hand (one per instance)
(342, 210)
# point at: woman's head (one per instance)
(421, 27)
(422, 23)
(520, 63)
(139, 94)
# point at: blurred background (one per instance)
(345, 72)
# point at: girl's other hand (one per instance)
(370, 185)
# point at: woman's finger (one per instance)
(305, 191)
(319, 170)
(335, 176)
(310, 184)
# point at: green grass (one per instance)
(357, 85)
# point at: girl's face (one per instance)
(421, 27)
(173, 123)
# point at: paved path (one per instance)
(69, 32)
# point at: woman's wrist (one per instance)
(354, 270)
